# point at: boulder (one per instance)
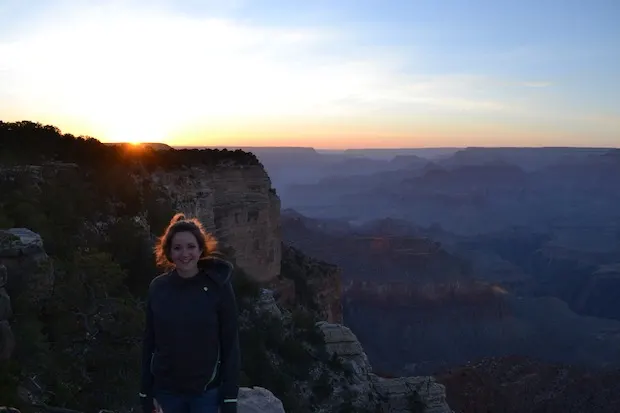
(267, 303)
(258, 400)
(16, 242)
(27, 267)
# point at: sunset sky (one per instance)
(322, 73)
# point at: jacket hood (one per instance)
(218, 269)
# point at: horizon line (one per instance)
(380, 148)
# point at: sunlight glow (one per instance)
(146, 77)
(150, 76)
(138, 72)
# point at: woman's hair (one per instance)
(179, 223)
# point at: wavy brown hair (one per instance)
(179, 223)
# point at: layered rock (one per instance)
(233, 199)
(402, 394)
(238, 204)
(310, 283)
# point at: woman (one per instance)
(190, 354)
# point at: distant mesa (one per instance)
(259, 149)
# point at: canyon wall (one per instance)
(239, 205)
(310, 283)
(234, 200)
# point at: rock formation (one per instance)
(402, 394)
(267, 303)
(308, 282)
(25, 269)
(258, 400)
(238, 203)
(234, 200)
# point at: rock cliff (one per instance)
(401, 394)
(308, 282)
(235, 201)
(26, 271)
(239, 205)
(229, 190)
(94, 205)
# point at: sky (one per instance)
(322, 73)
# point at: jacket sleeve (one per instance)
(148, 347)
(229, 341)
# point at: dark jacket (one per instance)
(191, 338)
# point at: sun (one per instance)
(136, 132)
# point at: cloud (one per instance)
(121, 68)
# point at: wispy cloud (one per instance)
(117, 66)
(536, 84)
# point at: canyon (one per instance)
(75, 251)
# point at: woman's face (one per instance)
(185, 251)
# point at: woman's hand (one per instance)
(158, 408)
(148, 404)
(228, 407)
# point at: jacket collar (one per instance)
(218, 269)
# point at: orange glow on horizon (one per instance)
(169, 77)
(330, 133)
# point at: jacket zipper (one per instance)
(215, 369)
